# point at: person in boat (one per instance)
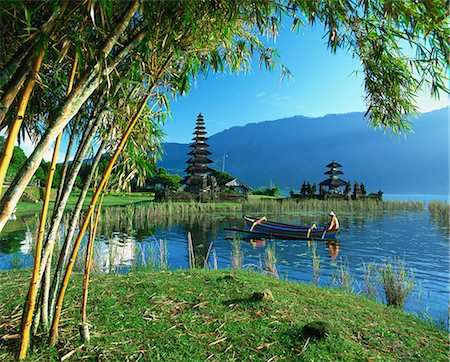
(334, 222)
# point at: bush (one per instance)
(268, 191)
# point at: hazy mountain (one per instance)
(288, 151)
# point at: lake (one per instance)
(373, 238)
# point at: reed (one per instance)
(315, 262)
(237, 257)
(163, 255)
(439, 211)
(369, 280)
(312, 205)
(397, 282)
(343, 277)
(17, 261)
(271, 260)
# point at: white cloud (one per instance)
(426, 103)
(28, 147)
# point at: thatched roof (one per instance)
(333, 164)
(333, 183)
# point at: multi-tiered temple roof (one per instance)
(333, 182)
(198, 163)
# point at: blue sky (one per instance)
(322, 83)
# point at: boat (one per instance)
(261, 227)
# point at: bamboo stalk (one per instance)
(28, 312)
(15, 127)
(58, 307)
(84, 327)
(43, 264)
(68, 240)
(13, 87)
(45, 294)
(72, 136)
(191, 251)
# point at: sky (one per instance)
(321, 83)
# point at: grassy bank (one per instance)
(209, 315)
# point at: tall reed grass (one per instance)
(369, 280)
(271, 260)
(440, 212)
(128, 218)
(397, 282)
(237, 257)
(315, 262)
(343, 278)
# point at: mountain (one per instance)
(288, 151)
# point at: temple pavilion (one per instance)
(198, 181)
(333, 183)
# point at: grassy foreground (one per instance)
(209, 315)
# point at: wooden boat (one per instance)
(264, 228)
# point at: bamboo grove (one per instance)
(98, 71)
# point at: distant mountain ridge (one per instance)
(288, 151)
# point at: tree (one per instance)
(303, 189)
(313, 189)
(356, 190)
(222, 177)
(162, 180)
(363, 189)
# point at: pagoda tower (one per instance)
(198, 181)
(333, 183)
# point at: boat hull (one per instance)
(286, 231)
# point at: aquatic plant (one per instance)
(16, 261)
(369, 280)
(397, 282)
(316, 262)
(237, 257)
(343, 277)
(271, 260)
(439, 212)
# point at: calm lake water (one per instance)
(412, 236)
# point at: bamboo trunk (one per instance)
(84, 327)
(15, 126)
(45, 295)
(72, 135)
(11, 89)
(47, 262)
(85, 87)
(58, 308)
(9, 69)
(60, 207)
(28, 312)
(68, 240)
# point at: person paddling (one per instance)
(334, 222)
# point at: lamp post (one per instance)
(223, 161)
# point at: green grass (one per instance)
(209, 315)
